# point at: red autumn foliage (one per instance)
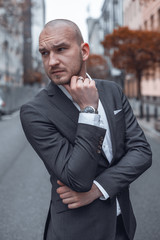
(144, 1)
(97, 66)
(133, 50)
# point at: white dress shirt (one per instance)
(99, 120)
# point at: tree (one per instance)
(97, 66)
(27, 43)
(11, 15)
(134, 51)
(144, 1)
(15, 18)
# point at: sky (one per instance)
(74, 10)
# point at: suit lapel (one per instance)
(107, 105)
(69, 113)
(63, 102)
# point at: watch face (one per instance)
(89, 109)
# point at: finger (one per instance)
(62, 190)
(73, 82)
(66, 195)
(86, 82)
(80, 81)
(69, 201)
(60, 183)
(74, 205)
(80, 78)
(92, 83)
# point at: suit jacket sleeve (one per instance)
(136, 157)
(74, 164)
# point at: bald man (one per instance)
(89, 140)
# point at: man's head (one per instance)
(63, 50)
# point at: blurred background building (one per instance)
(136, 14)
(20, 25)
(111, 17)
(20, 65)
(144, 15)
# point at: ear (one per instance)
(85, 51)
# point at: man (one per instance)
(89, 140)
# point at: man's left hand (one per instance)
(77, 199)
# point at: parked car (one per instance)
(2, 105)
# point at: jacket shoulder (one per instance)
(109, 86)
(37, 100)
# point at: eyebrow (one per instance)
(63, 44)
(42, 49)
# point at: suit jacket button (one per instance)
(101, 138)
(98, 151)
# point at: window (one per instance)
(145, 25)
(152, 22)
(158, 19)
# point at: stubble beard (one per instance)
(57, 78)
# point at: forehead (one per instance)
(56, 34)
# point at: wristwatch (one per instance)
(89, 109)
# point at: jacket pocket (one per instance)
(119, 115)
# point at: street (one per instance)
(25, 188)
(24, 185)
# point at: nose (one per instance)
(53, 59)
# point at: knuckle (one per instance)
(79, 86)
(76, 199)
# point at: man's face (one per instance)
(61, 54)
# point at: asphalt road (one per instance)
(24, 185)
(25, 188)
(145, 195)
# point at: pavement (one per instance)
(149, 126)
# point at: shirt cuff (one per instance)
(89, 118)
(103, 191)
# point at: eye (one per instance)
(44, 53)
(61, 49)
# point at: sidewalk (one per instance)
(148, 127)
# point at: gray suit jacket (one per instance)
(71, 153)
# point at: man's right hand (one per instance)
(83, 92)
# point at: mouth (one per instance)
(56, 72)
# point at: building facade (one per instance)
(151, 21)
(12, 39)
(144, 15)
(111, 17)
(95, 36)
